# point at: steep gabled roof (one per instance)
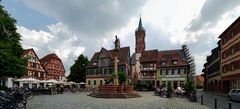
(49, 57)
(123, 54)
(93, 60)
(26, 51)
(169, 55)
(149, 56)
(105, 53)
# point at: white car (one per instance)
(234, 94)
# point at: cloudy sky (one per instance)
(73, 27)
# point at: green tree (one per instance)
(121, 77)
(169, 89)
(189, 87)
(78, 69)
(11, 62)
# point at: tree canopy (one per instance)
(78, 69)
(11, 62)
(121, 77)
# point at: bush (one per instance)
(169, 90)
(189, 87)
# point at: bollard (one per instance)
(201, 99)
(25, 105)
(215, 104)
(229, 105)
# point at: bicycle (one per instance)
(12, 101)
(28, 94)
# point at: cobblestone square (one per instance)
(80, 100)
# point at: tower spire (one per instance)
(140, 27)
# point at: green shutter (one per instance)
(89, 82)
(95, 82)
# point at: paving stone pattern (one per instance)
(80, 100)
(222, 102)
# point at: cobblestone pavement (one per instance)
(222, 102)
(82, 101)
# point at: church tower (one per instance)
(140, 38)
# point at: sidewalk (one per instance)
(216, 93)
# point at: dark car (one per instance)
(234, 95)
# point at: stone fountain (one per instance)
(115, 90)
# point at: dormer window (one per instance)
(94, 63)
(163, 63)
(175, 62)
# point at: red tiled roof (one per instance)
(123, 54)
(169, 55)
(49, 57)
(149, 56)
(199, 78)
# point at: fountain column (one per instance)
(117, 47)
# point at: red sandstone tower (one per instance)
(140, 38)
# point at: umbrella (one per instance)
(52, 81)
(72, 82)
(31, 80)
(82, 83)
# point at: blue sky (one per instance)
(27, 17)
(72, 27)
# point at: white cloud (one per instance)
(86, 26)
(58, 39)
(32, 36)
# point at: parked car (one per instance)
(234, 94)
